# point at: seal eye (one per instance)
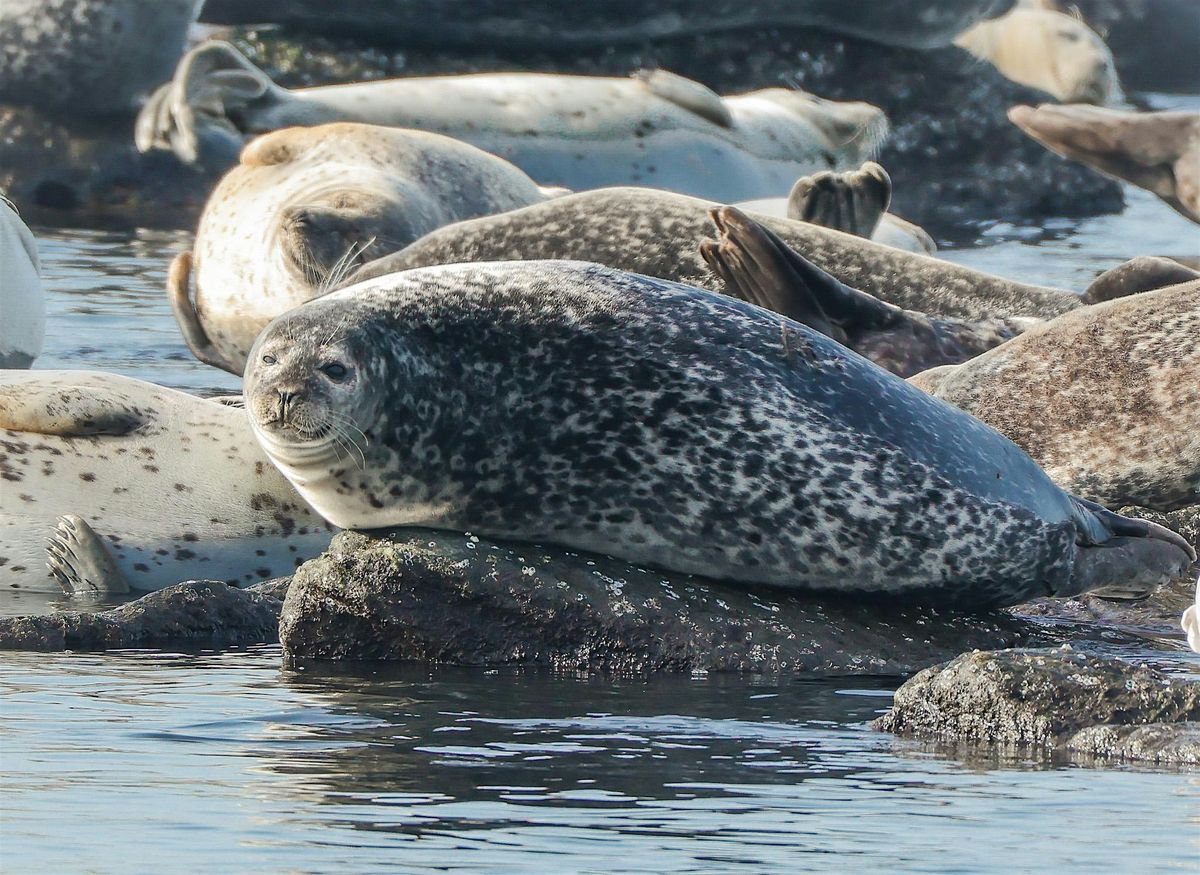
(335, 371)
(268, 359)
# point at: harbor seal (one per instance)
(89, 57)
(1157, 151)
(1106, 398)
(756, 266)
(306, 205)
(568, 403)
(1045, 49)
(653, 128)
(22, 301)
(111, 484)
(659, 234)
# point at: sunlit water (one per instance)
(165, 763)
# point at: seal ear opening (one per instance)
(757, 266)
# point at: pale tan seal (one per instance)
(307, 205)
(1048, 50)
(109, 483)
(653, 128)
(1106, 398)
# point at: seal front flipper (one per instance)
(687, 94)
(184, 308)
(80, 562)
(853, 202)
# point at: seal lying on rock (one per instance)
(118, 484)
(653, 128)
(572, 404)
(659, 234)
(307, 205)
(756, 266)
(1158, 151)
(856, 202)
(22, 302)
(89, 57)
(1106, 399)
(1048, 50)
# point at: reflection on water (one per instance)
(410, 770)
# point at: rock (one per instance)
(1042, 698)
(953, 155)
(446, 598)
(1166, 743)
(197, 613)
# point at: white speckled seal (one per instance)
(156, 486)
(22, 302)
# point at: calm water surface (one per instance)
(172, 763)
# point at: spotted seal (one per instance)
(568, 403)
(306, 205)
(119, 484)
(89, 57)
(22, 301)
(653, 128)
(1106, 398)
(756, 266)
(659, 234)
(1158, 151)
(1048, 50)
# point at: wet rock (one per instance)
(1168, 743)
(441, 597)
(954, 157)
(194, 614)
(1046, 698)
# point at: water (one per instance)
(224, 762)
(176, 763)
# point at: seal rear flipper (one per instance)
(757, 266)
(184, 308)
(853, 202)
(213, 84)
(80, 561)
(686, 94)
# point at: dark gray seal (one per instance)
(1106, 399)
(89, 57)
(572, 404)
(659, 233)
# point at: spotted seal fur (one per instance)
(118, 484)
(659, 234)
(89, 57)
(22, 301)
(652, 128)
(569, 403)
(305, 205)
(1106, 398)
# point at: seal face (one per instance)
(306, 205)
(1106, 398)
(117, 483)
(653, 128)
(665, 425)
